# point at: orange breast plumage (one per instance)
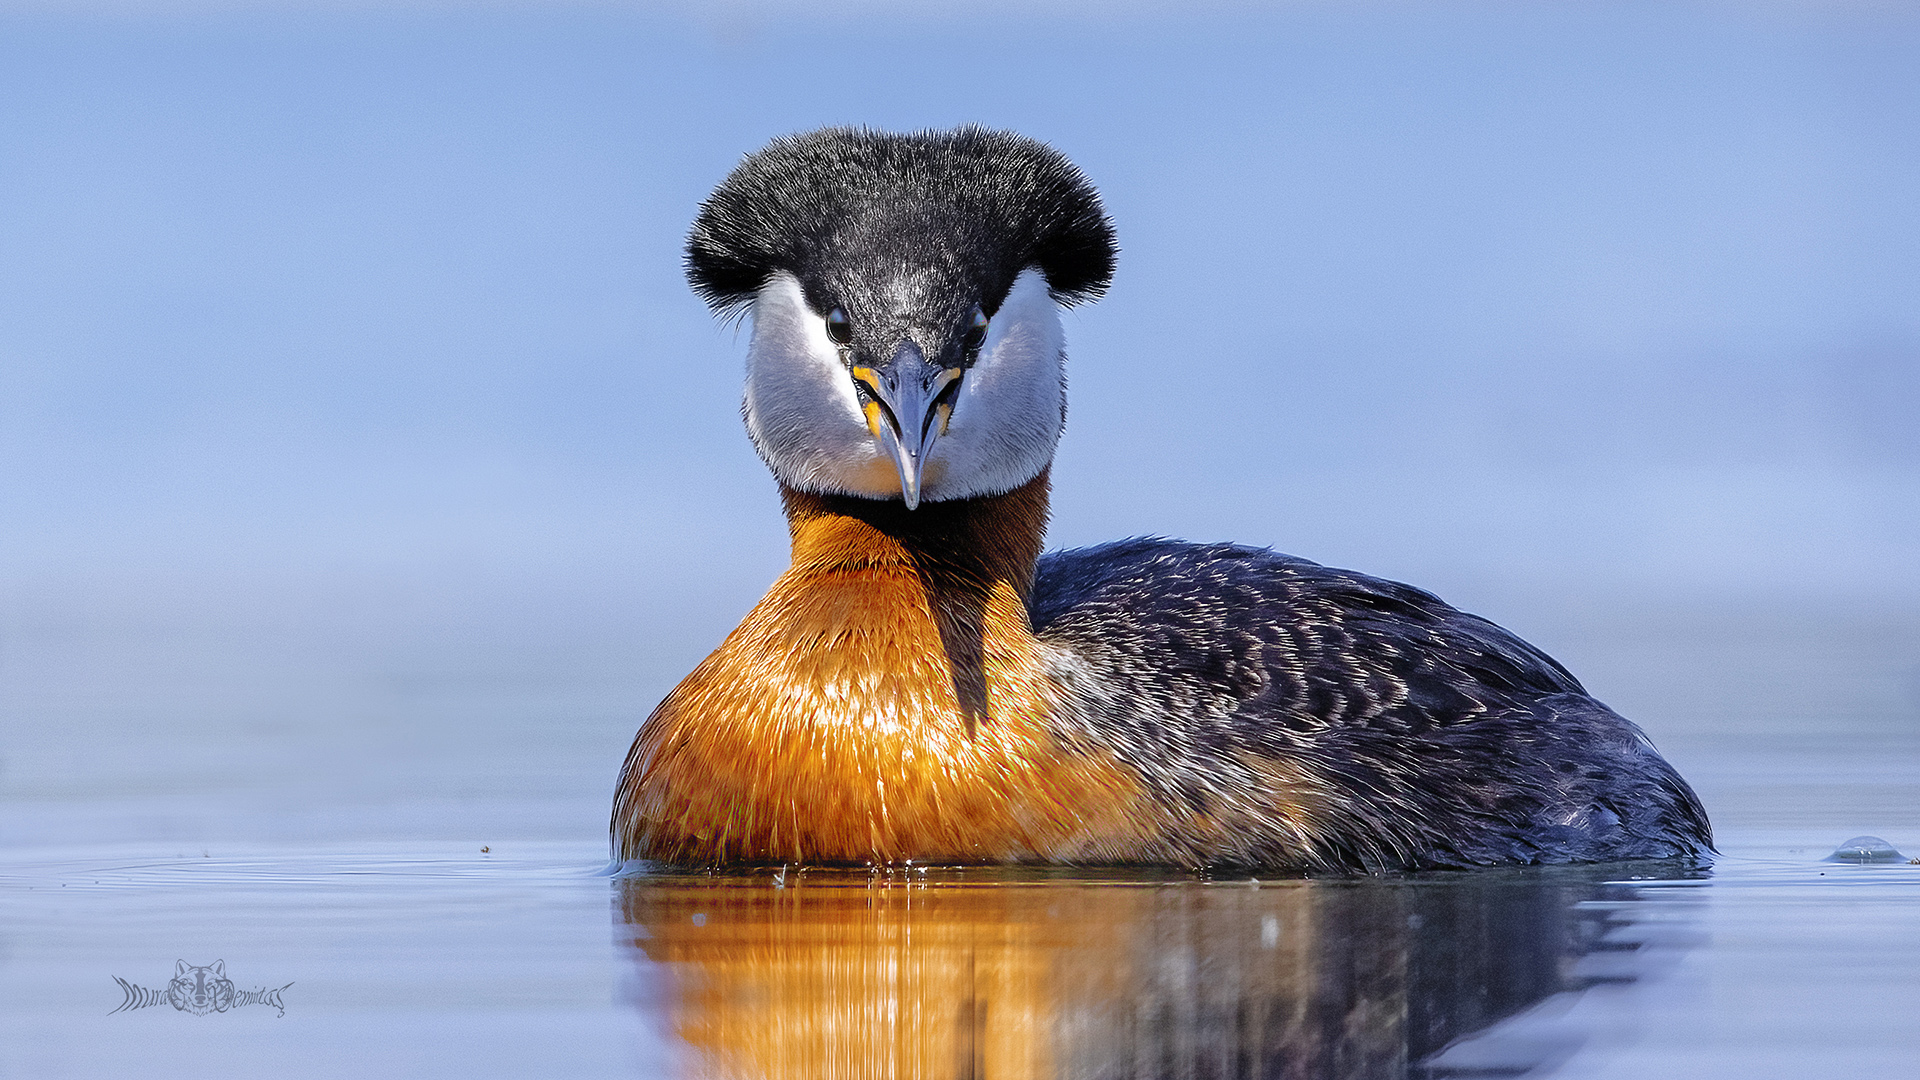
(884, 702)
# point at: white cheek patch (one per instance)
(804, 415)
(1011, 407)
(802, 412)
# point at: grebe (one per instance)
(923, 685)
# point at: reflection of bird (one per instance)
(858, 974)
(921, 685)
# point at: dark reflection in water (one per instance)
(1021, 974)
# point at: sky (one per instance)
(332, 309)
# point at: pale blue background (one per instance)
(1592, 296)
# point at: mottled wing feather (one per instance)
(1414, 735)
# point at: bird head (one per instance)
(905, 293)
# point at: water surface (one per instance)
(176, 798)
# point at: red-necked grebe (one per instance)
(923, 685)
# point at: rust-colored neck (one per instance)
(887, 699)
(965, 542)
(962, 551)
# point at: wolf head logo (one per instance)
(200, 990)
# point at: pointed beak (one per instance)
(908, 403)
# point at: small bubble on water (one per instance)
(1865, 849)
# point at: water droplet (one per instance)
(1865, 849)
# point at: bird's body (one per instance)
(921, 685)
(887, 701)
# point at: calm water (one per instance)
(178, 798)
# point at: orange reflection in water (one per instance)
(1015, 975)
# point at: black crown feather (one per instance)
(983, 204)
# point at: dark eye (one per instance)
(838, 328)
(976, 334)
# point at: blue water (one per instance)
(347, 861)
(525, 962)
